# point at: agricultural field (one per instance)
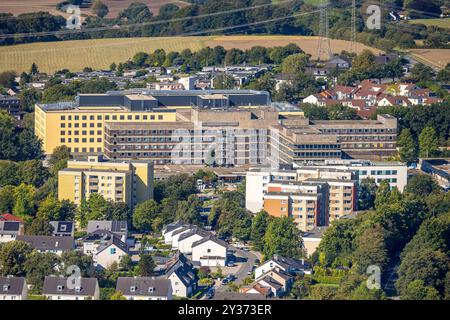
(437, 58)
(100, 53)
(442, 22)
(115, 6)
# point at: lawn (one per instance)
(100, 53)
(442, 22)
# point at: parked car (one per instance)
(231, 277)
(225, 281)
(230, 264)
(210, 294)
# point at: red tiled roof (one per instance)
(9, 217)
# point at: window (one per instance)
(112, 250)
(209, 250)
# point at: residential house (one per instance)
(186, 239)
(145, 288)
(289, 265)
(311, 239)
(178, 233)
(278, 276)
(9, 230)
(168, 231)
(105, 248)
(49, 244)
(337, 63)
(63, 228)
(210, 251)
(180, 271)
(119, 228)
(13, 288)
(258, 289)
(9, 217)
(61, 288)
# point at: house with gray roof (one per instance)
(63, 228)
(49, 244)
(210, 251)
(61, 288)
(13, 288)
(119, 228)
(105, 248)
(145, 288)
(180, 271)
(288, 265)
(186, 239)
(9, 230)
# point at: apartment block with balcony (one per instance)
(128, 182)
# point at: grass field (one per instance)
(100, 53)
(443, 23)
(438, 58)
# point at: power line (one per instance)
(324, 47)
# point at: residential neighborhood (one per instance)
(192, 152)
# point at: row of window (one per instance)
(82, 140)
(113, 117)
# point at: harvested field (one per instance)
(100, 53)
(437, 58)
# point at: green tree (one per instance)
(99, 207)
(408, 149)
(24, 197)
(366, 193)
(40, 227)
(34, 69)
(146, 266)
(421, 185)
(370, 249)
(37, 266)
(77, 258)
(428, 142)
(13, 255)
(119, 212)
(188, 211)
(282, 237)
(224, 81)
(7, 199)
(100, 9)
(295, 63)
(144, 215)
(416, 290)
(258, 230)
(117, 296)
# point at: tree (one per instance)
(383, 194)
(40, 227)
(146, 266)
(119, 212)
(421, 72)
(366, 193)
(13, 256)
(427, 265)
(428, 142)
(258, 229)
(302, 287)
(322, 293)
(223, 81)
(416, 290)
(99, 208)
(370, 249)
(144, 215)
(188, 211)
(125, 262)
(34, 69)
(117, 296)
(37, 266)
(7, 199)
(7, 79)
(24, 196)
(82, 261)
(100, 9)
(295, 63)
(282, 237)
(139, 59)
(421, 185)
(408, 149)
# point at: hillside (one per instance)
(100, 53)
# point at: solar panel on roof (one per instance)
(11, 226)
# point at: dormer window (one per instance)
(133, 289)
(151, 290)
(63, 228)
(5, 287)
(60, 288)
(77, 289)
